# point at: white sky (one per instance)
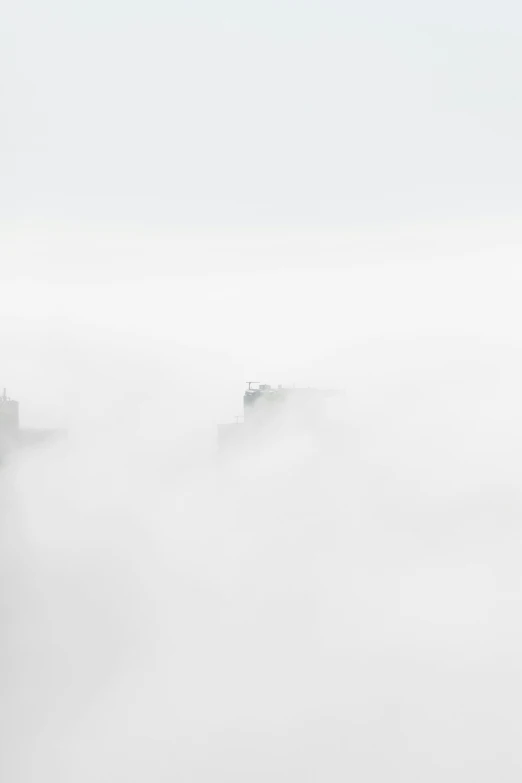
(148, 145)
(274, 114)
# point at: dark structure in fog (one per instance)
(12, 436)
(9, 416)
(267, 407)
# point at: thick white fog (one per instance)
(322, 609)
(196, 194)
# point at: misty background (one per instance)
(196, 195)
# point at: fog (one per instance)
(331, 605)
(198, 194)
